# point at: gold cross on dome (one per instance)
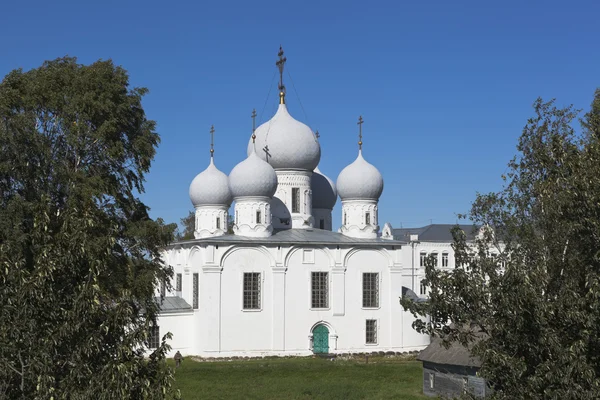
(280, 64)
(253, 120)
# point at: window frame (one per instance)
(154, 337)
(218, 223)
(436, 257)
(178, 282)
(258, 217)
(254, 297)
(314, 305)
(376, 290)
(295, 200)
(422, 288)
(374, 332)
(368, 218)
(195, 291)
(422, 258)
(445, 259)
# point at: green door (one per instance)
(321, 339)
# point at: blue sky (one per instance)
(444, 87)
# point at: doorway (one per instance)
(321, 339)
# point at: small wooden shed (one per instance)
(451, 371)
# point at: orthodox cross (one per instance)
(212, 140)
(280, 64)
(317, 135)
(359, 123)
(267, 154)
(253, 120)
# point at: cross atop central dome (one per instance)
(284, 142)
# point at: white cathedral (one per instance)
(285, 283)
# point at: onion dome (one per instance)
(360, 181)
(286, 143)
(324, 194)
(253, 177)
(210, 187)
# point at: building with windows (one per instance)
(286, 283)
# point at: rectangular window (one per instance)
(320, 290)
(435, 259)
(368, 218)
(431, 380)
(371, 331)
(295, 200)
(444, 259)
(154, 339)
(370, 290)
(423, 290)
(163, 288)
(178, 283)
(258, 219)
(195, 292)
(423, 258)
(322, 224)
(218, 222)
(251, 291)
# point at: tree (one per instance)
(539, 316)
(189, 225)
(79, 256)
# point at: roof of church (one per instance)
(434, 232)
(298, 236)
(173, 304)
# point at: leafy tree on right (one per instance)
(538, 304)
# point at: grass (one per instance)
(301, 378)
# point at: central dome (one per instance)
(290, 143)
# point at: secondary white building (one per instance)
(285, 283)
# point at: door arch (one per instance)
(320, 339)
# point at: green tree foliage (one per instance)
(540, 315)
(79, 256)
(189, 224)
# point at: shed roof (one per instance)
(173, 304)
(456, 354)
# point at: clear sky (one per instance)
(445, 87)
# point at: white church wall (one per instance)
(248, 330)
(220, 327)
(181, 327)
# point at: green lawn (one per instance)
(301, 378)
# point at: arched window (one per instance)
(445, 259)
(423, 258)
(435, 257)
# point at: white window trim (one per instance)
(262, 286)
(310, 307)
(377, 331)
(379, 278)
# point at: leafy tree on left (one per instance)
(79, 255)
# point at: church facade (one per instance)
(286, 283)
